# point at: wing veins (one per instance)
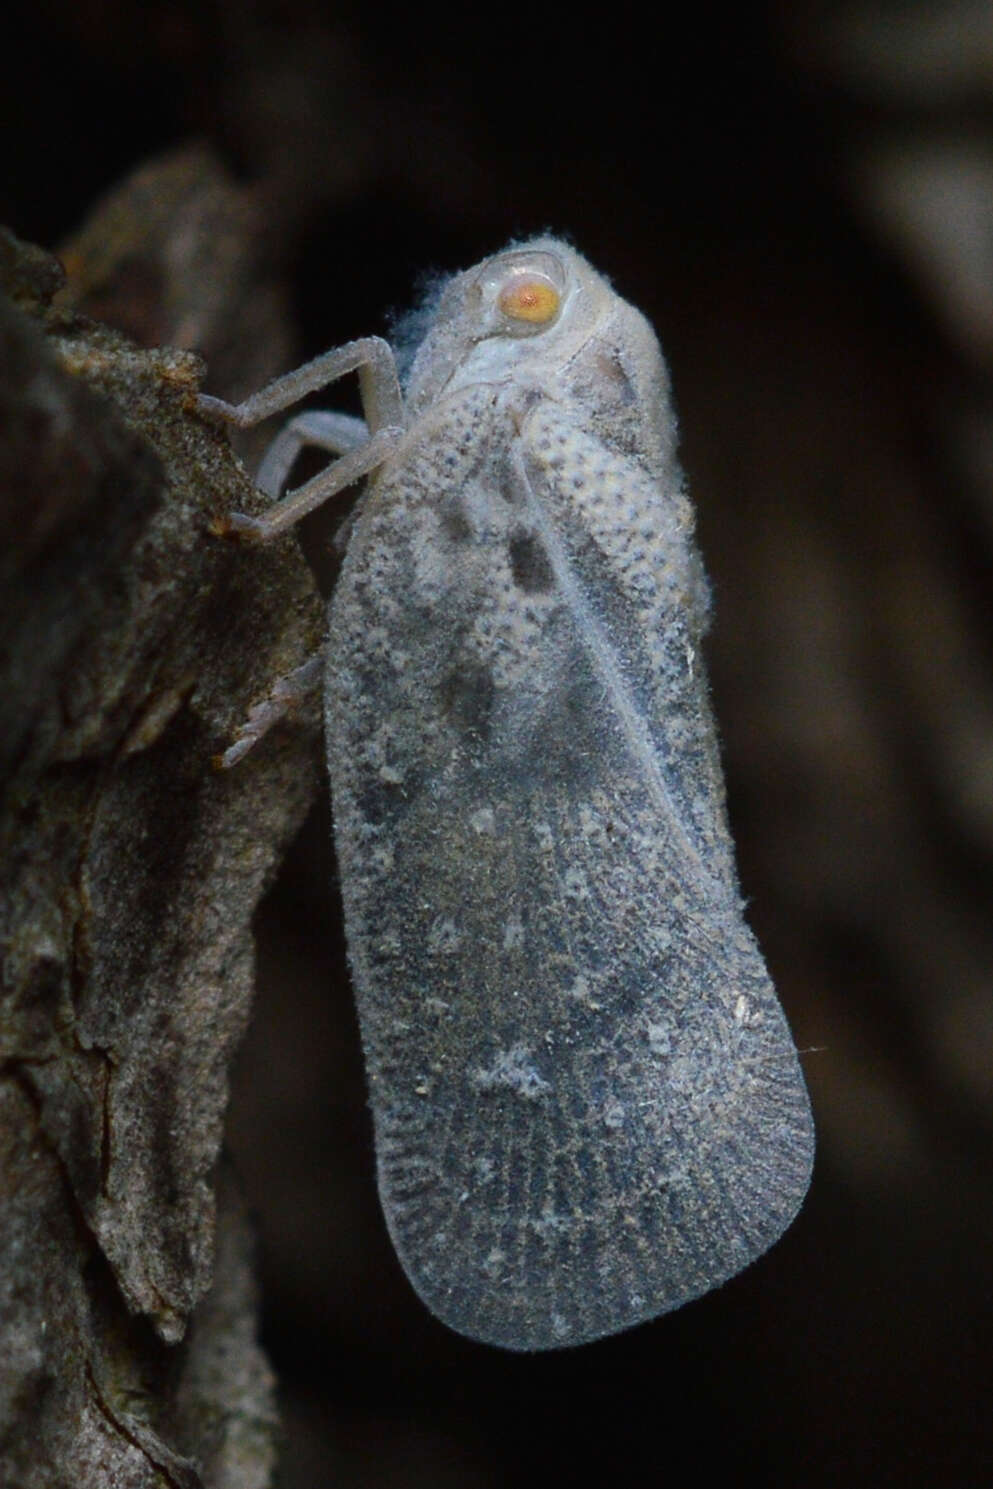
(605, 664)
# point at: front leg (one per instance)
(317, 428)
(371, 357)
(382, 406)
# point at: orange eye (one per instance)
(527, 298)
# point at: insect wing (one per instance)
(587, 1105)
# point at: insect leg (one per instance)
(362, 445)
(372, 359)
(286, 696)
(313, 494)
(337, 433)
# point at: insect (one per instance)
(587, 1104)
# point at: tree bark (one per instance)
(132, 644)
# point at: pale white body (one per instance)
(588, 1107)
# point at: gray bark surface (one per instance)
(132, 644)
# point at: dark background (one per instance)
(801, 200)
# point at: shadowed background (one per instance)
(801, 200)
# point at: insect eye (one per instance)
(529, 302)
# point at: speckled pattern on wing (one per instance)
(587, 1104)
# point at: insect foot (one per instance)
(236, 525)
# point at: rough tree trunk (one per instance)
(132, 644)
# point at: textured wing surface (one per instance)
(587, 1104)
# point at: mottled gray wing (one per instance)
(587, 1104)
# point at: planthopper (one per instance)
(588, 1107)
